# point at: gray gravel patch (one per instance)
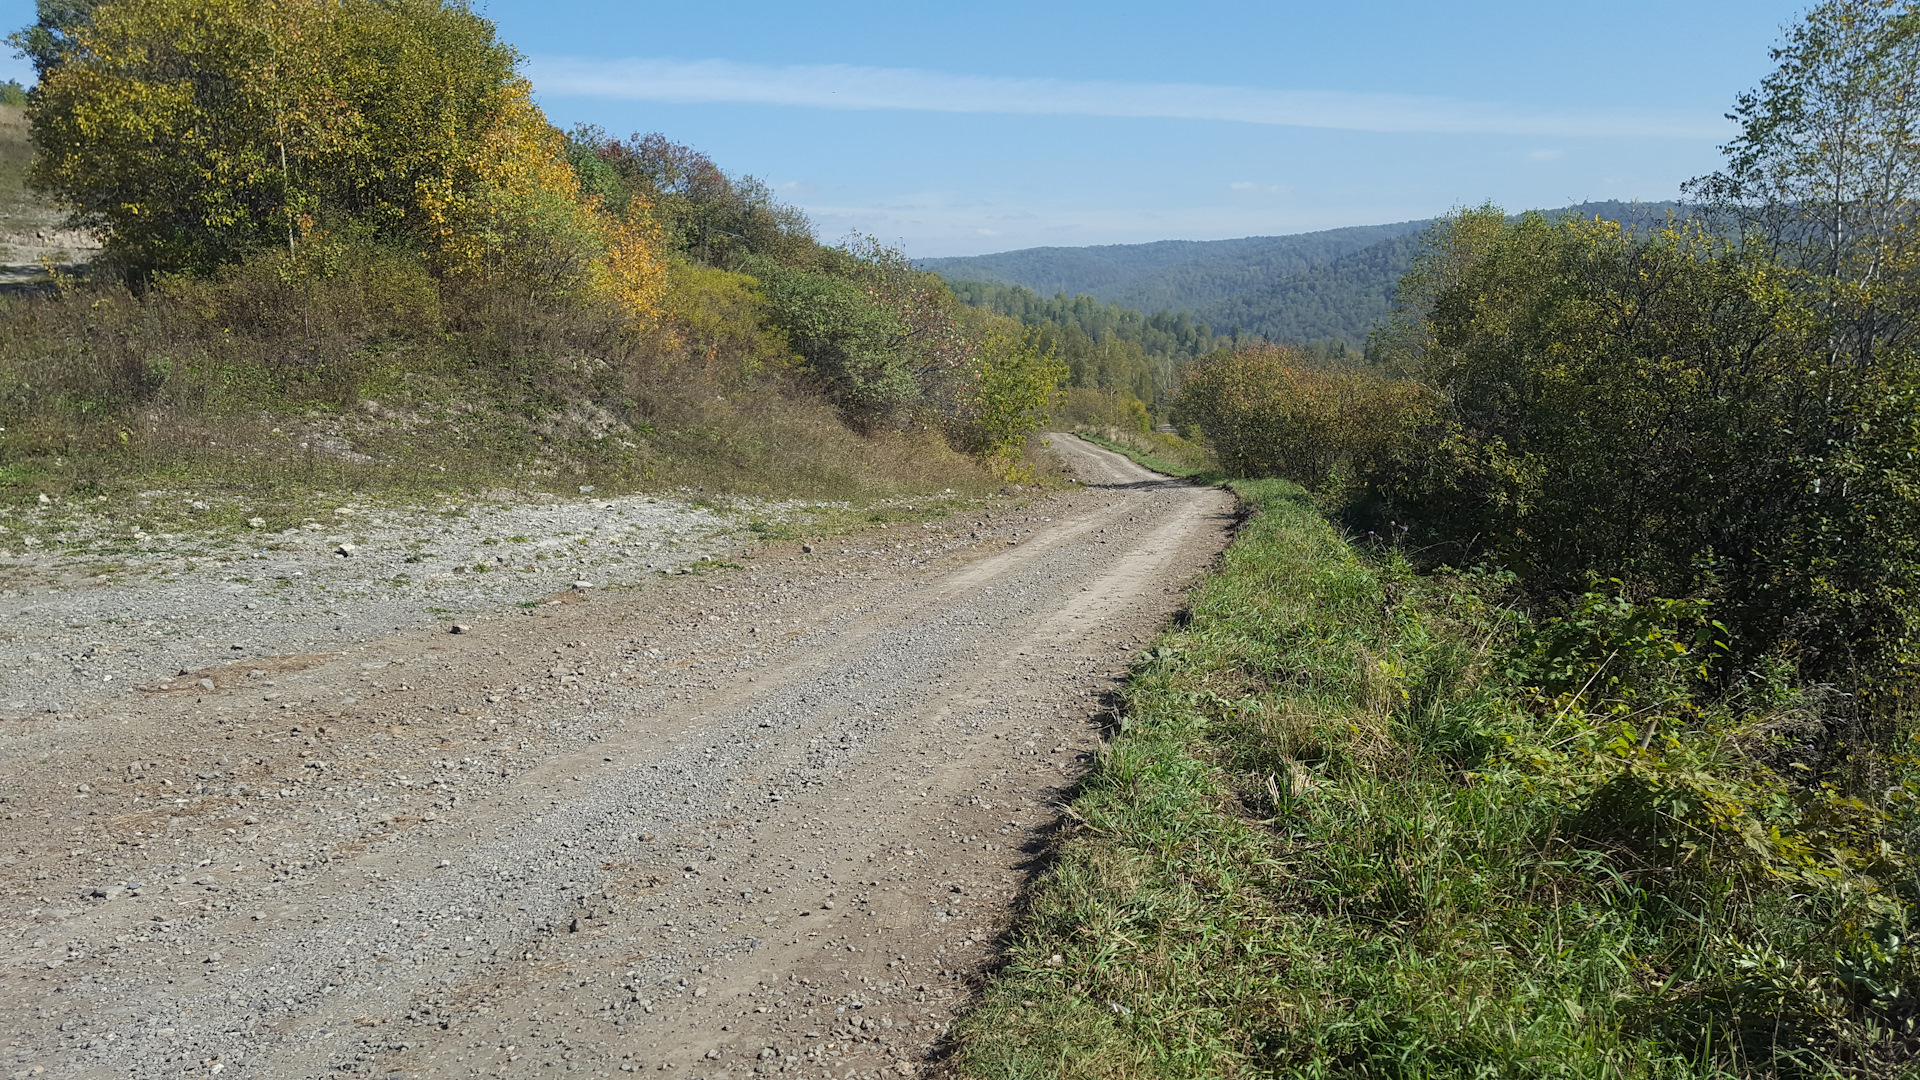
(91, 609)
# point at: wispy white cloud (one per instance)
(840, 86)
(1248, 187)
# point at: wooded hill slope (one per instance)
(1331, 285)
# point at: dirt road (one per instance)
(767, 821)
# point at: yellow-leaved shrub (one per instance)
(1266, 411)
(194, 133)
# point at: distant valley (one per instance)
(1333, 285)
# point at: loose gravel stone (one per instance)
(607, 834)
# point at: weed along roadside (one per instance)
(1341, 832)
(1255, 874)
(1157, 941)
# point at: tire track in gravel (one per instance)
(792, 867)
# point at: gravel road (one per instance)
(767, 821)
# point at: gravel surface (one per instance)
(103, 604)
(767, 821)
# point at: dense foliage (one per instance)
(1642, 508)
(1665, 412)
(706, 215)
(1331, 286)
(1267, 410)
(196, 133)
(886, 341)
(1121, 360)
(341, 147)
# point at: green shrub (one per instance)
(1083, 406)
(1660, 410)
(1266, 412)
(717, 322)
(1019, 383)
(859, 348)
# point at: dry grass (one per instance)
(376, 380)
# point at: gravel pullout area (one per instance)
(768, 821)
(112, 606)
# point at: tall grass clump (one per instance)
(277, 376)
(1354, 826)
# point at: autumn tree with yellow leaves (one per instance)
(232, 151)
(194, 133)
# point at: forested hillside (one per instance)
(1169, 274)
(1332, 285)
(1104, 345)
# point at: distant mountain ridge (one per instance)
(1330, 285)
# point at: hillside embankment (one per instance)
(766, 819)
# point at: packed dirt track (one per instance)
(768, 821)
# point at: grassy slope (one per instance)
(440, 426)
(1304, 855)
(373, 384)
(1168, 454)
(279, 399)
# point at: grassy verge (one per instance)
(1168, 454)
(257, 396)
(1187, 926)
(1332, 839)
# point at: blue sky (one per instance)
(958, 129)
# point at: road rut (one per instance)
(768, 822)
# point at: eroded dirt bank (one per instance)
(762, 822)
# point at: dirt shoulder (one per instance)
(769, 821)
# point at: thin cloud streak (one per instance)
(840, 86)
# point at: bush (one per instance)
(717, 322)
(1661, 410)
(1019, 383)
(1266, 413)
(194, 133)
(857, 347)
(706, 215)
(1084, 406)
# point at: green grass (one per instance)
(263, 396)
(1328, 842)
(1168, 454)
